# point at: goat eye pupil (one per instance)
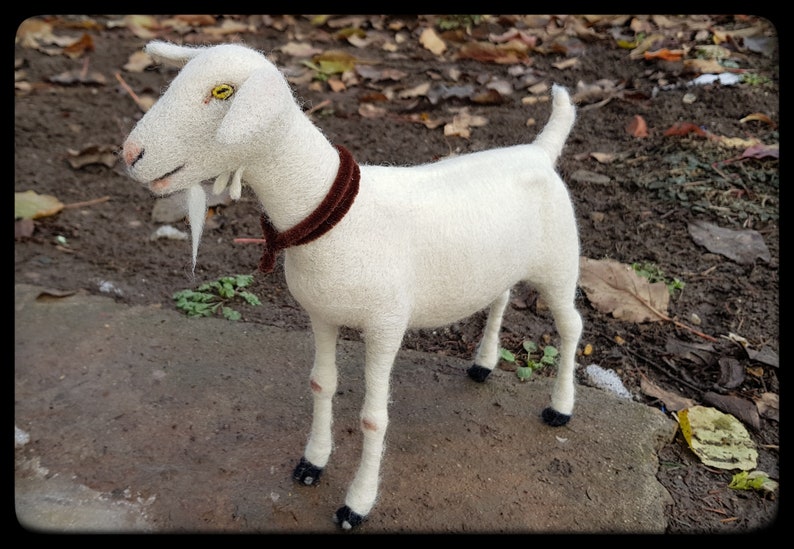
(222, 91)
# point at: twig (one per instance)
(87, 202)
(678, 375)
(674, 321)
(129, 91)
(318, 106)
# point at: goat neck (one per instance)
(295, 174)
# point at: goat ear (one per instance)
(171, 54)
(254, 105)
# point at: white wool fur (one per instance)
(421, 246)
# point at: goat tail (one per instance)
(553, 137)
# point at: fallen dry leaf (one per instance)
(514, 34)
(742, 246)
(93, 154)
(78, 77)
(760, 117)
(603, 158)
(461, 123)
(23, 228)
(139, 61)
(768, 405)
(32, 32)
(142, 26)
(424, 119)
(637, 127)
(432, 41)
(685, 128)
(299, 49)
(80, 46)
(704, 66)
(765, 355)
(512, 52)
(615, 288)
(742, 409)
(720, 440)
(762, 151)
(32, 205)
(664, 54)
(368, 110)
(227, 27)
(672, 401)
(566, 63)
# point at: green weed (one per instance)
(209, 298)
(653, 273)
(535, 358)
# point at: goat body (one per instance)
(420, 246)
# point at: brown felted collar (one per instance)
(330, 211)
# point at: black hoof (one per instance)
(554, 418)
(306, 473)
(347, 519)
(478, 373)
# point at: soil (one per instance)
(634, 205)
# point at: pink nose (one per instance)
(131, 152)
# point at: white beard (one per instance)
(197, 204)
(196, 211)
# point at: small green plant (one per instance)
(754, 79)
(653, 273)
(453, 22)
(211, 297)
(535, 358)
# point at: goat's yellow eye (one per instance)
(222, 91)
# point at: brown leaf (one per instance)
(93, 154)
(300, 49)
(32, 31)
(672, 401)
(768, 405)
(23, 228)
(84, 44)
(142, 26)
(138, 61)
(512, 52)
(637, 127)
(701, 353)
(368, 110)
(514, 34)
(432, 41)
(424, 119)
(762, 151)
(731, 373)
(685, 128)
(764, 355)
(744, 410)
(742, 246)
(78, 76)
(664, 54)
(704, 66)
(615, 288)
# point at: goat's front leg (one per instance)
(381, 350)
(488, 351)
(323, 385)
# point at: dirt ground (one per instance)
(636, 192)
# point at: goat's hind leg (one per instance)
(323, 385)
(569, 325)
(488, 351)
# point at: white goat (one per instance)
(419, 247)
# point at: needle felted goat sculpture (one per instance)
(378, 249)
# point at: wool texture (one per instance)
(330, 212)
